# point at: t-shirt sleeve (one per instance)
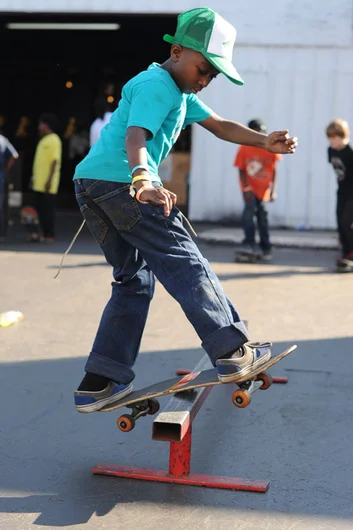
(150, 104)
(239, 161)
(196, 110)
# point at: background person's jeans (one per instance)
(139, 242)
(45, 205)
(345, 223)
(255, 208)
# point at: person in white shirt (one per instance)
(102, 118)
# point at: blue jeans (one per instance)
(138, 241)
(256, 208)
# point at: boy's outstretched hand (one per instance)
(280, 142)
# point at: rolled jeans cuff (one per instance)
(225, 340)
(106, 367)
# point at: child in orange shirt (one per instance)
(257, 176)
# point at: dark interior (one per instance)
(36, 66)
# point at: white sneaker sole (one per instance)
(95, 407)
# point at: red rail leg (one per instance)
(180, 456)
(179, 471)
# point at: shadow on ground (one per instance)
(296, 435)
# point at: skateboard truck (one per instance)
(126, 422)
(241, 398)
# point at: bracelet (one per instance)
(139, 167)
(140, 177)
(143, 188)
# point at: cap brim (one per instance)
(225, 67)
(168, 38)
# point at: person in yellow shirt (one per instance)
(46, 173)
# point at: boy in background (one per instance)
(340, 155)
(46, 173)
(257, 176)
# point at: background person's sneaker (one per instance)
(267, 255)
(86, 401)
(249, 357)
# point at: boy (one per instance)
(135, 221)
(257, 176)
(340, 155)
(46, 174)
(8, 156)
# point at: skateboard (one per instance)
(143, 402)
(29, 218)
(248, 256)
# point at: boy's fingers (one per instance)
(292, 141)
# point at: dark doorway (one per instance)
(64, 72)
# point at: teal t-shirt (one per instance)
(151, 100)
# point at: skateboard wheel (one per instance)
(266, 381)
(126, 423)
(241, 398)
(153, 406)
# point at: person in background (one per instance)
(8, 155)
(257, 176)
(103, 116)
(340, 155)
(46, 174)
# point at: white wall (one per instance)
(296, 57)
(320, 22)
(295, 88)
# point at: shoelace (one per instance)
(78, 233)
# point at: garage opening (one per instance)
(60, 63)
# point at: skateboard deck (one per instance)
(248, 256)
(144, 401)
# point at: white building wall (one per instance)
(296, 57)
(314, 22)
(301, 89)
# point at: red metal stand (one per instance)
(278, 380)
(179, 471)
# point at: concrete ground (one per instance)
(298, 436)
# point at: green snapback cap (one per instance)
(205, 31)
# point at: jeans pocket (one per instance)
(96, 225)
(121, 208)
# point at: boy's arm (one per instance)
(243, 178)
(231, 131)
(11, 162)
(273, 195)
(248, 194)
(12, 156)
(55, 153)
(50, 176)
(135, 143)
